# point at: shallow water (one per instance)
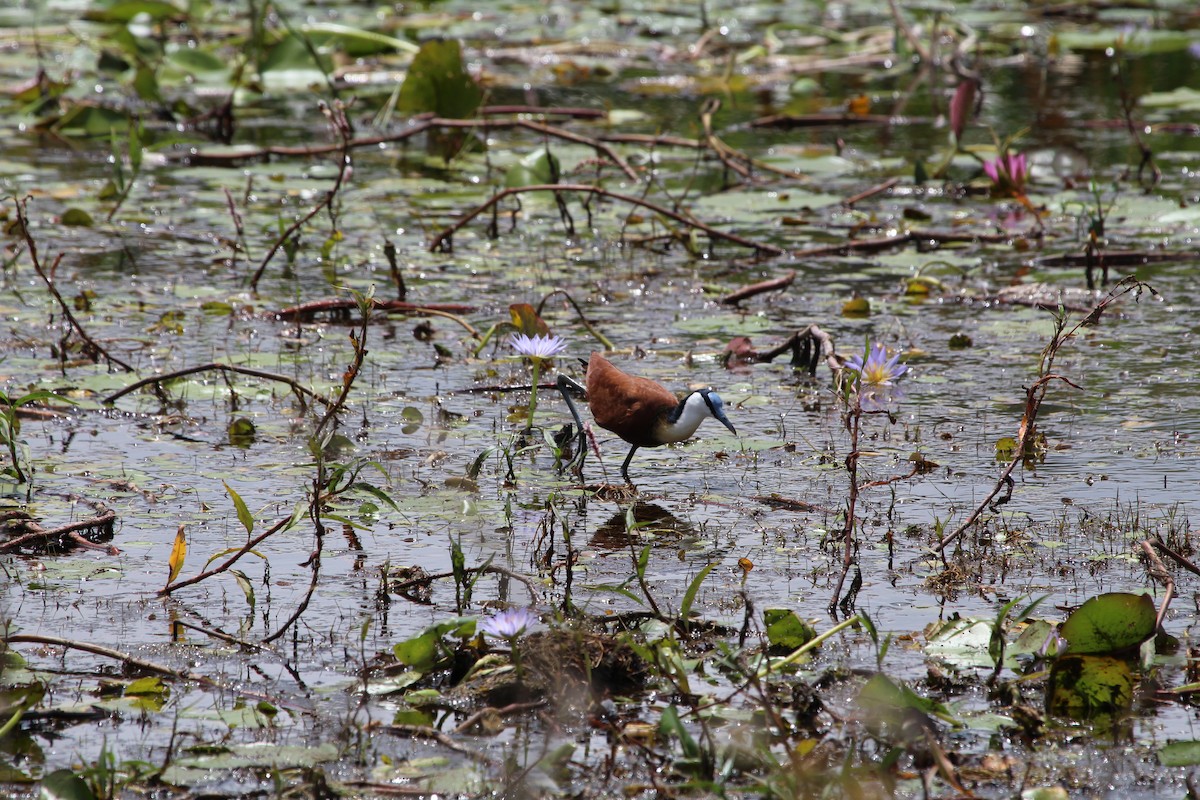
(1122, 455)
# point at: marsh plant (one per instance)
(537, 350)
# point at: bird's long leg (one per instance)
(625, 466)
(566, 385)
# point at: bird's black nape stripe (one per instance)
(708, 402)
(675, 413)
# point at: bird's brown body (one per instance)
(640, 411)
(631, 407)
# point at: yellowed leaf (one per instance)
(178, 554)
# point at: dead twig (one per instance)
(424, 580)
(36, 533)
(1037, 392)
(762, 287)
(1158, 571)
(96, 349)
(337, 120)
(512, 708)
(300, 391)
(308, 311)
(229, 562)
(442, 240)
(1178, 558)
(433, 734)
(108, 652)
(600, 337)
(809, 347)
(323, 488)
(874, 190)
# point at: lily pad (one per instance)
(1110, 623)
(1082, 687)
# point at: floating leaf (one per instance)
(178, 555)
(1110, 623)
(62, 784)
(786, 630)
(151, 684)
(437, 81)
(857, 307)
(413, 419)
(1084, 686)
(1180, 754)
(241, 432)
(77, 217)
(216, 308)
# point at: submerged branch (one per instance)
(108, 652)
(442, 240)
(229, 562)
(762, 287)
(31, 243)
(36, 533)
(425, 580)
(299, 390)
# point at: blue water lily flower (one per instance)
(878, 369)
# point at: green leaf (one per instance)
(1180, 754)
(356, 41)
(243, 513)
(126, 10)
(689, 596)
(437, 81)
(421, 651)
(241, 432)
(1110, 623)
(62, 784)
(77, 217)
(1082, 686)
(671, 725)
(540, 166)
(150, 685)
(243, 582)
(786, 630)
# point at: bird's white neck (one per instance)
(688, 416)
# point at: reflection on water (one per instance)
(618, 531)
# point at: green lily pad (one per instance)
(1110, 623)
(437, 81)
(1085, 686)
(786, 630)
(1180, 754)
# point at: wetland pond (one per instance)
(259, 542)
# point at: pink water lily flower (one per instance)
(1008, 173)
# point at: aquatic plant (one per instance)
(876, 369)
(537, 349)
(1008, 173)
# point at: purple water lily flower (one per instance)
(537, 346)
(877, 369)
(508, 624)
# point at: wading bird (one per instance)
(640, 411)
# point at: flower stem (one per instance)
(533, 389)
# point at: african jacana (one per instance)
(639, 410)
